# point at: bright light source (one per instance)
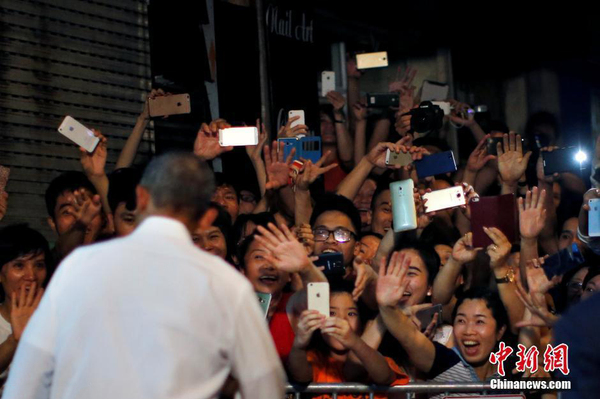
(580, 156)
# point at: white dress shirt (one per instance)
(145, 316)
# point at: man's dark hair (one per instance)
(440, 233)
(18, 240)
(66, 182)
(334, 202)
(221, 179)
(541, 118)
(179, 182)
(498, 126)
(382, 185)
(259, 219)
(428, 255)
(121, 188)
(492, 301)
(370, 234)
(432, 141)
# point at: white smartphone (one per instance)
(299, 113)
(395, 158)
(79, 134)
(594, 218)
(434, 91)
(318, 298)
(444, 199)
(372, 60)
(445, 106)
(327, 82)
(238, 136)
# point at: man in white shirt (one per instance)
(149, 315)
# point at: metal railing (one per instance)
(414, 387)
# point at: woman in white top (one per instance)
(23, 272)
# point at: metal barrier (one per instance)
(371, 390)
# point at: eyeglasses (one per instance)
(340, 234)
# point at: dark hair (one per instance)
(121, 188)
(592, 272)
(243, 248)
(67, 181)
(428, 255)
(223, 223)
(18, 240)
(223, 180)
(538, 119)
(334, 202)
(492, 302)
(370, 234)
(432, 141)
(180, 182)
(327, 109)
(259, 219)
(497, 126)
(439, 232)
(382, 185)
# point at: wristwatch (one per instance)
(509, 278)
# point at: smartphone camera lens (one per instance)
(71, 128)
(318, 295)
(179, 104)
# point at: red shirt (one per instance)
(281, 329)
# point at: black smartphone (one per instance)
(382, 100)
(435, 164)
(333, 264)
(570, 159)
(492, 142)
(563, 261)
(426, 315)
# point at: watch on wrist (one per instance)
(509, 278)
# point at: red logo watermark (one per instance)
(555, 358)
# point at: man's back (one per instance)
(148, 316)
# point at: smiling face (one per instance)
(23, 271)
(418, 287)
(263, 275)
(211, 240)
(343, 306)
(382, 213)
(65, 217)
(332, 220)
(475, 331)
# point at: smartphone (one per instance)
(563, 261)
(4, 173)
(593, 218)
(333, 264)
(372, 60)
(397, 158)
(492, 145)
(264, 300)
(563, 160)
(309, 148)
(327, 82)
(425, 316)
(289, 143)
(318, 298)
(435, 164)
(382, 100)
(79, 134)
(445, 106)
(403, 205)
(238, 136)
(299, 113)
(434, 91)
(444, 199)
(169, 105)
(498, 211)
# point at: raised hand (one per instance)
(255, 151)
(364, 275)
(85, 208)
(500, 249)
(288, 131)
(93, 163)
(287, 253)
(277, 168)
(479, 157)
(532, 214)
(535, 300)
(340, 330)
(423, 218)
(312, 171)
(3, 203)
(402, 124)
(404, 84)
(391, 282)
(153, 94)
(511, 161)
(377, 155)
(308, 323)
(337, 100)
(305, 235)
(458, 109)
(207, 145)
(360, 112)
(23, 307)
(463, 251)
(592, 193)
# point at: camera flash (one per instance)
(580, 156)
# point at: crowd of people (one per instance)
(271, 238)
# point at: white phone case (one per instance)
(318, 298)
(79, 134)
(327, 82)
(444, 199)
(372, 60)
(594, 218)
(400, 158)
(299, 113)
(238, 136)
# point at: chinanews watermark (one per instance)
(555, 358)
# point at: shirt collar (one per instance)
(164, 226)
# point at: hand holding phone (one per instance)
(435, 164)
(594, 218)
(318, 298)
(327, 82)
(372, 60)
(238, 136)
(169, 105)
(78, 133)
(298, 113)
(403, 205)
(425, 316)
(438, 200)
(498, 211)
(332, 263)
(571, 159)
(397, 158)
